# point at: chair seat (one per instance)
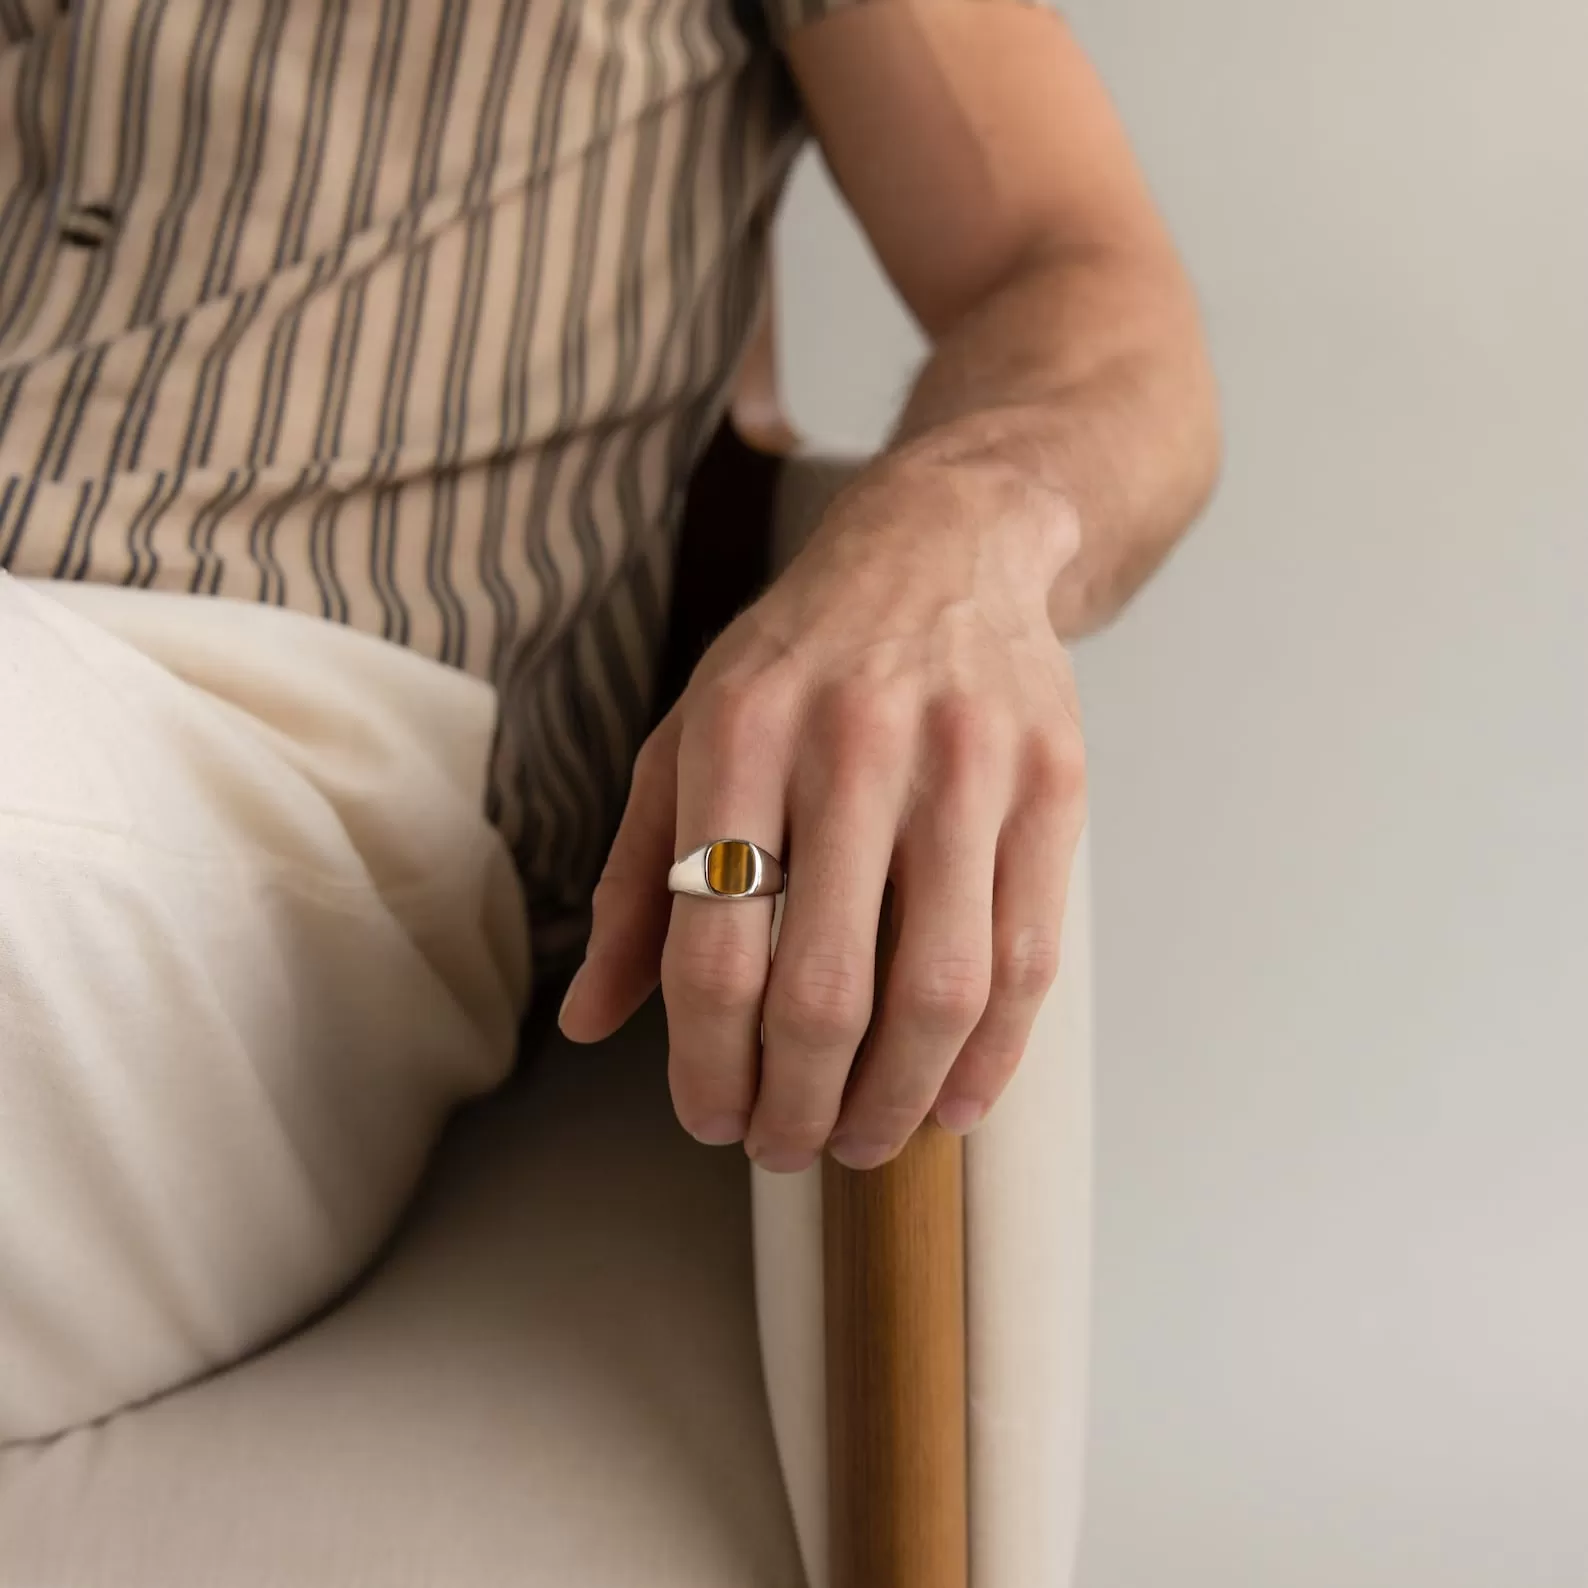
(552, 1378)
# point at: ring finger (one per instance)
(714, 964)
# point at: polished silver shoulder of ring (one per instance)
(730, 868)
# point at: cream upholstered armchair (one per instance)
(598, 1355)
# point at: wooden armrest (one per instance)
(894, 1268)
(893, 1271)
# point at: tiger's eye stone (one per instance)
(730, 866)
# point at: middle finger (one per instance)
(939, 978)
(843, 820)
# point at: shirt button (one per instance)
(88, 225)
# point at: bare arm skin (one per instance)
(990, 171)
(899, 708)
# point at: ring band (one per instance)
(729, 868)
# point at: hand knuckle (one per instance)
(966, 734)
(865, 720)
(654, 762)
(825, 999)
(712, 974)
(615, 890)
(738, 722)
(1029, 962)
(1058, 765)
(949, 989)
(617, 871)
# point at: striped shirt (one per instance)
(411, 314)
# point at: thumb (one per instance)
(632, 907)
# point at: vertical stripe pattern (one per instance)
(410, 314)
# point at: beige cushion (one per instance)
(554, 1376)
(552, 1379)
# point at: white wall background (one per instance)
(1340, 775)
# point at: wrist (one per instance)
(994, 474)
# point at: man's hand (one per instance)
(895, 709)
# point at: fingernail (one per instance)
(567, 997)
(960, 1117)
(784, 1160)
(721, 1130)
(861, 1154)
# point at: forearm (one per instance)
(1085, 378)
